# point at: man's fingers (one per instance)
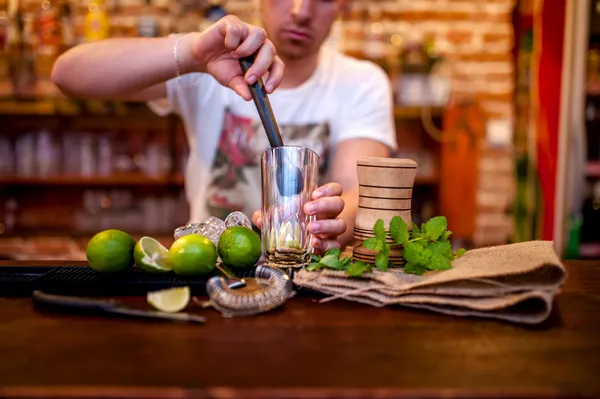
(239, 85)
(255, 38)
(325, 207)
(328, 190)
(262, 62)
(233, 29)
(331, 227)
(323, 246)
(257, 219)
(275, 75)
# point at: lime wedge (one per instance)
(151, 256)
(170, 300)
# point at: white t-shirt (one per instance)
(345, 98)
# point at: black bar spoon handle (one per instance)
(259, 95)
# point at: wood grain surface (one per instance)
(306, 349)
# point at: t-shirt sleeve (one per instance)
(182, 94)
(368, 108)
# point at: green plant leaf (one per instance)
(435, 227)
(413, 268)
(358, 269)
(381, 261)
(379, 230)
(442, 248)
(386, 248)
(460, 252)
(315, 258)
(332, 262)
(314, 266)
(414, 253)
(446, 235)
(399, 230)
(334, 251)
(370, 243)
(346, 261)
(439, 262)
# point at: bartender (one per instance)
(337, 106)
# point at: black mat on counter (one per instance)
(18, 281)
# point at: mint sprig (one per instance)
(332, 260)
(424, 248)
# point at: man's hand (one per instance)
(326, 205)
(218, 49)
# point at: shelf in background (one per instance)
(414, 112)
(64, 106)
(133, 179)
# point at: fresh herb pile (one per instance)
(424, 248)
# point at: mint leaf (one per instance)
(413, 268)
(370, 243)
(442, 248)
(439, 262)
(315, 258)
(314, 266)
(416, 232)
(346, 261)
(332, 262)
(381, 261)
(446, 235)
(435, 227)
(358, 269)
(334, 251)
(399, 230)
(379, 230)
(413, 253)
(460, 252)
(386, 248)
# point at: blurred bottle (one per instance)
(96, 23)
(213, 12)
(413, 82)
(375, 39)
(147, 24)
(22, 60)
(67, 29)
(48, 30)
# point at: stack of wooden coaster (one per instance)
(385, 191)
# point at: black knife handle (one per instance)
(263, 105)
(69, 303)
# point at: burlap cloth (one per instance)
(515, 282)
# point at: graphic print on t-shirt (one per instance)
(235, 180)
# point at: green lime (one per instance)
(239, 247)
(151, 256)
(110, 251)
(193, 254)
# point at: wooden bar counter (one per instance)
(307, 350)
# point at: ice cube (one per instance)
(191, 228)
(212, 228)
(237, 219)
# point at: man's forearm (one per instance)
(116, 68)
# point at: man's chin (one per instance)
(294, 51)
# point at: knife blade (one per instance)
(108, 308)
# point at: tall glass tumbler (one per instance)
(289, 177)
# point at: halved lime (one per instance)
(170, 300)
(151, 256)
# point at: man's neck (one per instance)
(298, 70)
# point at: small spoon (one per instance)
(289, 177)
